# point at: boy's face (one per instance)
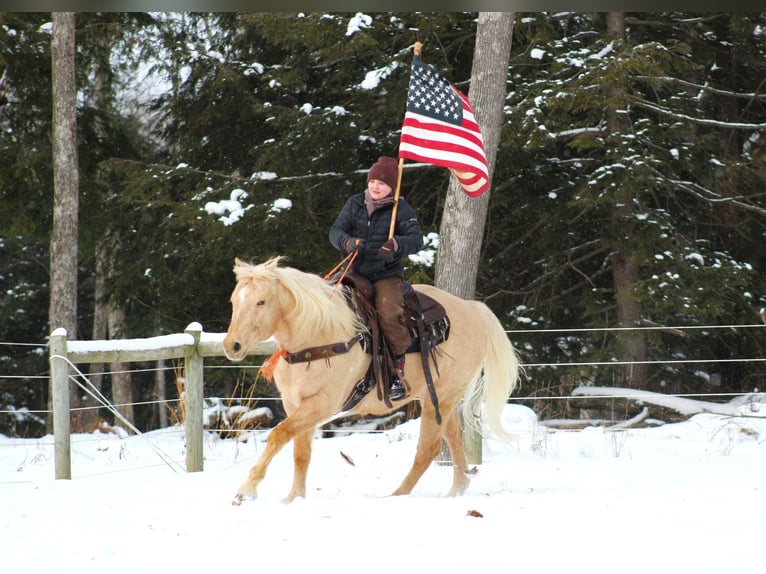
(378, 189)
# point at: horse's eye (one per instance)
(261, 302)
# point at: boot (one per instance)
(398, 390)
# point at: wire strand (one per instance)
(94, 392)
(645, 328)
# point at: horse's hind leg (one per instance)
(453, 435)
(429, 445)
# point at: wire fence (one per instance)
(533, 399)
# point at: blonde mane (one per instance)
(321, 308)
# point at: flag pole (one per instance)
(396, 198)
(417, 47)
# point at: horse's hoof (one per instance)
(240, 498)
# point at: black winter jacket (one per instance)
(352, 221)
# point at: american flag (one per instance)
(439, 128)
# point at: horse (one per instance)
(299, 310)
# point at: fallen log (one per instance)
(620, 403)
(640, 420)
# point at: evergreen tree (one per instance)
(281, 115)
(576, 169)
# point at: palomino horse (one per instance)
(301, 310)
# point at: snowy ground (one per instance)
(687, 497)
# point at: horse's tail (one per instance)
(495, 381)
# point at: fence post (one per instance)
(59, 381)
(193, 364)
(472, 441)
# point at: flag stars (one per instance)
(432, 95)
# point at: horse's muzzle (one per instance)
(234, 351)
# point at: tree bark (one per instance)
(464, 218)
(102, 101)
(463, 221)
(100, 325)
(122, 383)
(64, 242)
(63, 298)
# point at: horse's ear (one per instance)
(273, 262)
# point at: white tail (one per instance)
(494, 383)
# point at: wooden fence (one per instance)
(193, 346)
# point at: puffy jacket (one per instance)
(353, 221)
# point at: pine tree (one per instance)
(577, 169)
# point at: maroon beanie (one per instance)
(386, 169)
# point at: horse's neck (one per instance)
(292, 337)
(317, 324)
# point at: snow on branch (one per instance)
(741, 405)
(575, 132)
(704, 87)
(710, 196)
(703, 121)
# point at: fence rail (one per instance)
(193, 345)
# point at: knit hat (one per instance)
(386, 169)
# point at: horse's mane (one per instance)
(321, 307)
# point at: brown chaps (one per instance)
(389, 303)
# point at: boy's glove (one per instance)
(353, 244)
(388, 249)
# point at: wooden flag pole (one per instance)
(396, 198)
(417, 48)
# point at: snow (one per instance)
(685, 497)
(373, 78)
(358, 22)
(145, 344)
(427, 255)
(230, 210)
(281, 204)
(743, 405)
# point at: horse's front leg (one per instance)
(299, 425)
(301, 460)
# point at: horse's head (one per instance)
(255, 308)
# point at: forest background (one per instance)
(628, 188)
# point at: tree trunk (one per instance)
(463, 220)
(159, 392)
(462, 227)
(122, 384)
(100, 325)
(63, 247)
(625, 270)
(102, 98)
